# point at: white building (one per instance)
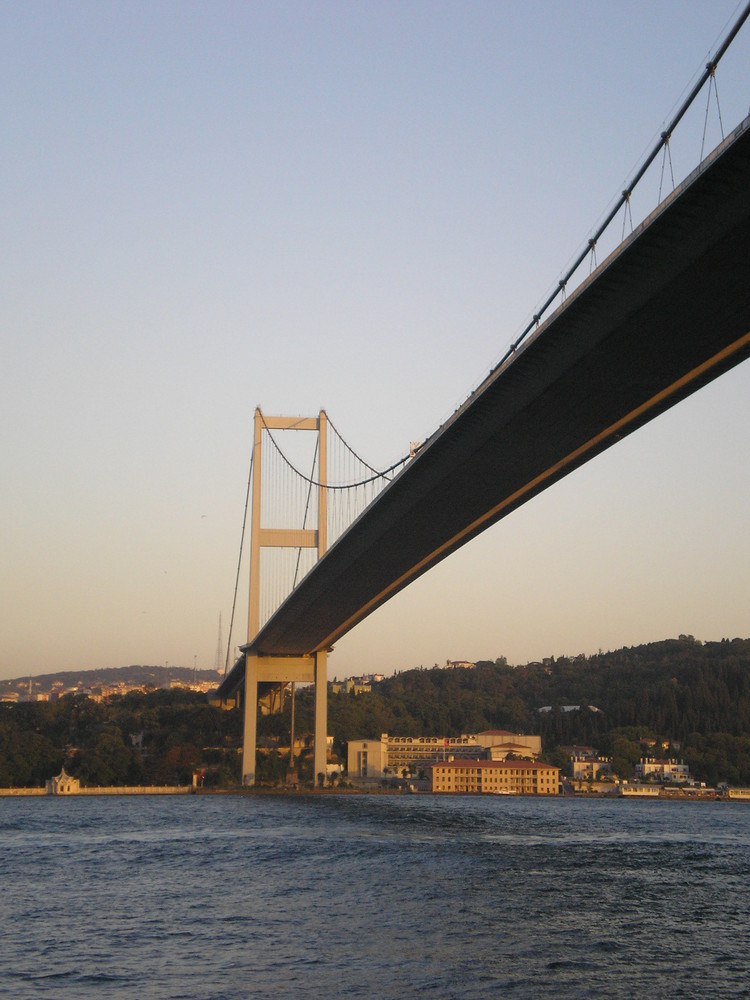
(63, 784)
(662, 770)
(638, 791)
(585, 766)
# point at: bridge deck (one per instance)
(666, 313)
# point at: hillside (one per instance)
(675, 687)
(131, 676)
(693, 697)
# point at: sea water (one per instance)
(373, 896)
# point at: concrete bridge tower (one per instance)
(261, 668)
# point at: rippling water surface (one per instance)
(369, 896)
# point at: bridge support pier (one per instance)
(321, 715)
(282, 670)
(250, 728)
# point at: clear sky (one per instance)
(212, 206)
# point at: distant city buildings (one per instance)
(363, 683)
(35, 690)
(356, 685)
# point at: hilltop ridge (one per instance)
(126, 678)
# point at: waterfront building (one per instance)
(662, 770)
(507, 777)
(394, 755)
(627, 790)
(589, 766)
(397, 755)
(63, 784)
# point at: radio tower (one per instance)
(219, 664)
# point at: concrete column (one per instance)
(321, 672)
(253, 611)
(323, 480)
(321, 714)
(251, 720)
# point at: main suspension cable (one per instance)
(239, 562)
(334, 486)
(351, 450)
(707, 74)
(304, 518)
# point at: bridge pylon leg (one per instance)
(251, 720)
(304, 668)
(321, 715)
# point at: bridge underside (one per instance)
(668, 312)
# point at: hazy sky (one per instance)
(212, 206)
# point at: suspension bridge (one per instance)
(667, 312)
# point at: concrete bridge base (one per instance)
(304, 669)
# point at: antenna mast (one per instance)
(218, 663)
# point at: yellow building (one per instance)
(498, 777)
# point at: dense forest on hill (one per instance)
(693, 696)
(158, 738)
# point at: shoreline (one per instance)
(103, 790)
(170, 790)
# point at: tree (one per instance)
(625, 755)
(179, 765)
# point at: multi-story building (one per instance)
(506, 777)
(367, 758)
(662, 770)
(585, 766)
(397, 755)
(501, 742)
(379, 757)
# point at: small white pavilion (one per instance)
(63, 784)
